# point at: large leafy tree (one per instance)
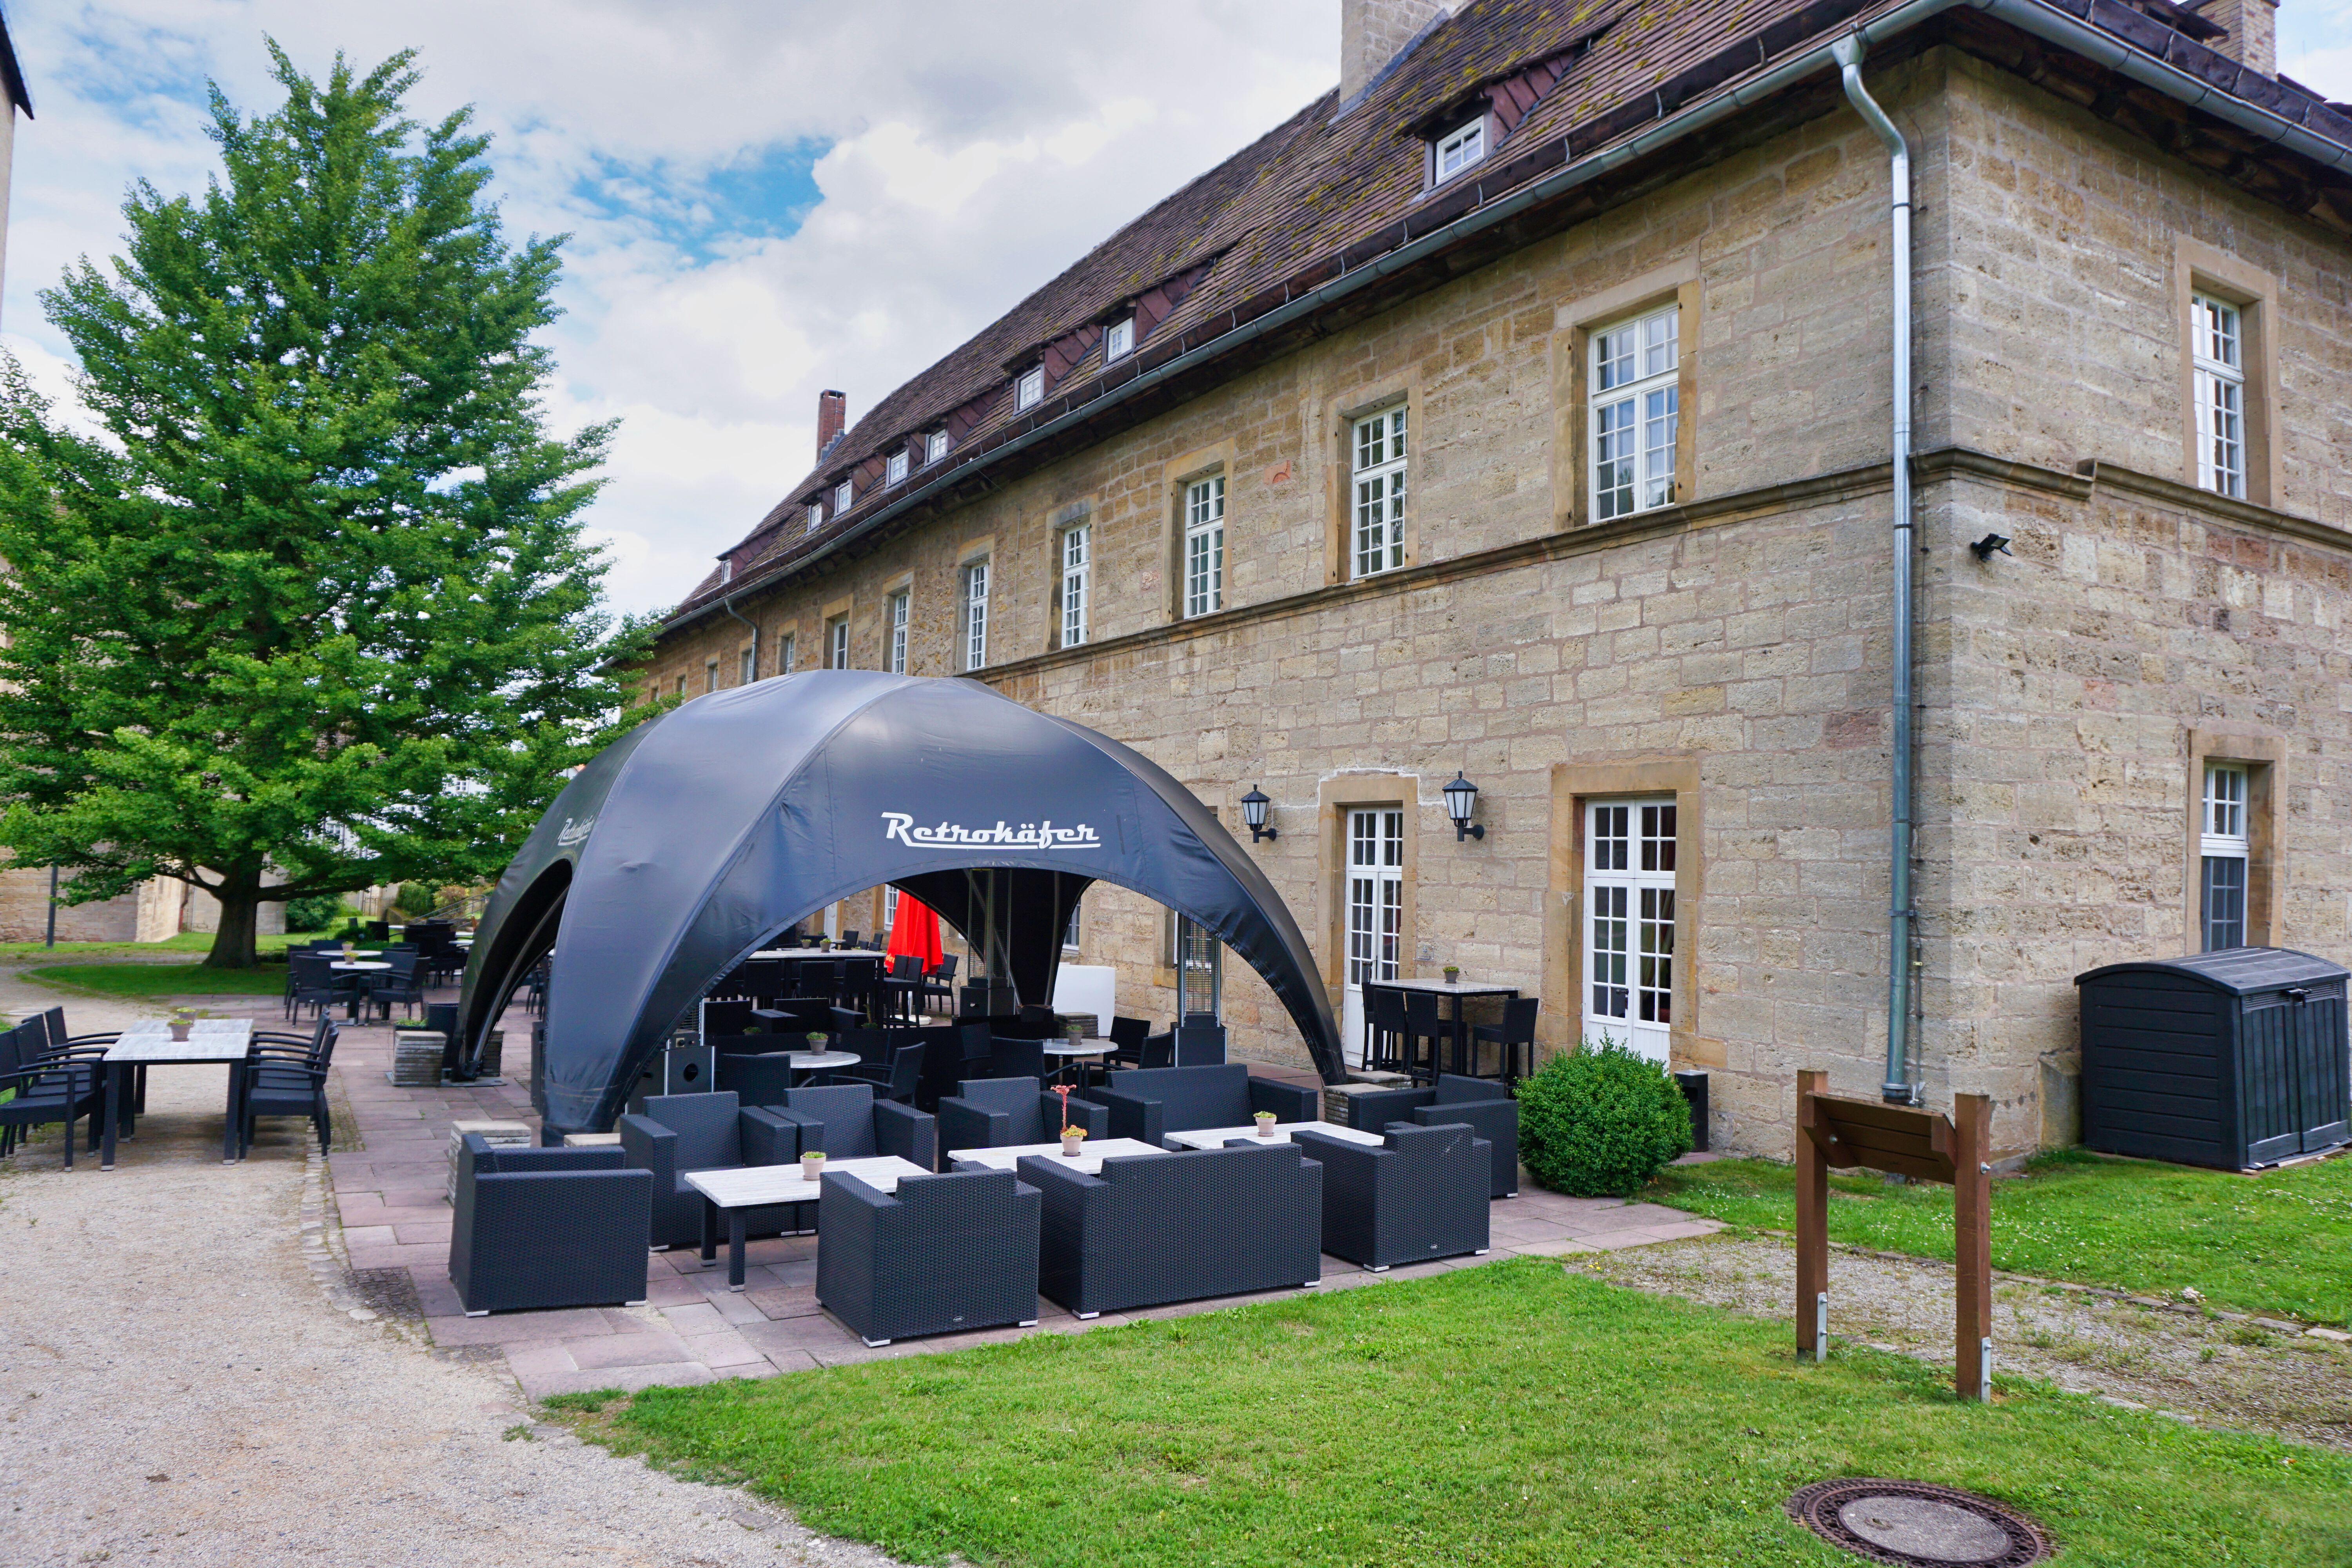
(313, 613)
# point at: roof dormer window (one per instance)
(1120, 341)
(897, 468)
(935, 446)
(1456, 150)
(844, 495)
(727, 569)
(815, 515)
(1030, 390)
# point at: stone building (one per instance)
(1522, 410)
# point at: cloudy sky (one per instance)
(766, 196)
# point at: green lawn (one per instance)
(160, 979)
(1508, 1415)
(2275, 1243)
(196, 942)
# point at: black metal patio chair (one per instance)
(48, 1084)
(1515, 1033)
(285, 1075)
(405, 982)
(894, 1078)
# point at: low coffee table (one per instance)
(1087, 1160)
(1215, 1137)
(749, 1187)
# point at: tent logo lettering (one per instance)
(952, 836)
(573, 832)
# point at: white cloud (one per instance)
(972, 153)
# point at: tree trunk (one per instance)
(233, 943)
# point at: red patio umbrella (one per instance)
(915, 933)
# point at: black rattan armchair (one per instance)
(845, 1121)
(678, 1133)
(1422, 1195)
(548, 1227)
(1485, 1106)
(942, 1255)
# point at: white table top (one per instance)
(802, 952)
(1215, 1137)
(1074, 1048)
(754, 1186)
(1451, 987)
(1089, 1161)
(803, 1060)
(360, 964)
(209, 1040)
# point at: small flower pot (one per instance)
(1264, 1126)
(1072, 1143)
(1453, 976)
(812, 1167)
(179, 1028)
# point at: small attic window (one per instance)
(844, 496)
(935, 446)
(897, 470)
(815, 515)
(727, 569)
(1120, 341)
(1030, 390)
(1456, 150)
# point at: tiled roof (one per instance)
(1319, 194)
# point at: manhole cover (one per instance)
(1914, 1525)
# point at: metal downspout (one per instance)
(727, 604)
(1899, 1087)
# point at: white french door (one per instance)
(1375, 912)
(1629, 923)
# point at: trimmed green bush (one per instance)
(414, 899)
(1601, 1122)
(313, 914)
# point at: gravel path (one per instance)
(176, 1384)
(2221, 1372)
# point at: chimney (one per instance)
(1374, 32)
(2253, 31)
(832, 418)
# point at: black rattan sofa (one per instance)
(548, 1227)
(1151, 1102)
(1421, 1196)
(1484, 1105)
(941, 1255)
(1175, 1228)
(1000, 1112)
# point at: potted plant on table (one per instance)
(1453, 973)
(183, 1019)
(816, 1041)
(1074, 1033)
(1264, 1123)
(1073, 1138)
(812, 1164)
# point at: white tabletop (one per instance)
(1074, 1048)
(1087, 1160)
(360, 964)
(754, 1186)
(806, 1060)
(209, 1040)
(1450, 988)
(1215, 1137)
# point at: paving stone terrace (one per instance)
(391, 1195)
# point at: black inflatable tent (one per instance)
(688, 843)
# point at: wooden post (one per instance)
(1971, 1244)
(1812, 1224)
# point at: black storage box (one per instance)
(2232, 1059)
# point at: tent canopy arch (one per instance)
(703, 832)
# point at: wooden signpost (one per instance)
(1924, 1146)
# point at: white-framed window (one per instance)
(1119, 340)
(2225, 849)
(815, 515)
(1077, 580)
(896, 469)
(681, 686)
(1204, 546)
(2218, 363)
(898, 632)
(1636, 406)
(1457, 150)
(1629, 923)
(750, 671)
(976, 615)
(889, 913)
(935, 446)
(844, 495)
(1030, 390)
(710, 675)
(1072, 933)
(836, 643)
(1379, 464)
(785, 650)
(1375, 911)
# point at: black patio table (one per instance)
(1461, 991)
(210, 1041)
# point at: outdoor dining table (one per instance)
(735, 1193)
(1217, 1137)
(1461, 991)
(358, 992)
(1072, 1053)
(819, 1061)
(1087, 1160)
(149, 1044)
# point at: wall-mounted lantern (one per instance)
(1991, 541)
(1461, 795)
(1254, 807)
